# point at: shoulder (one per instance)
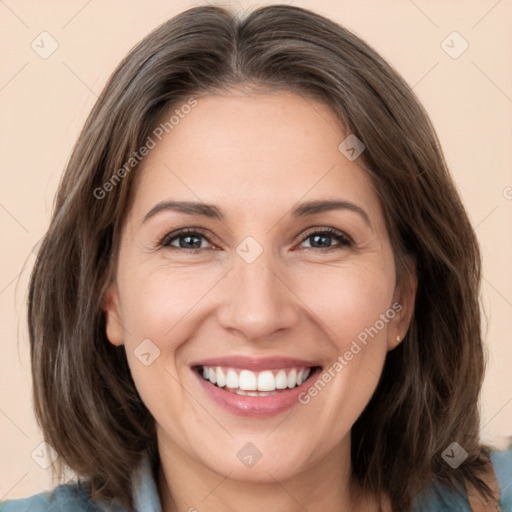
(65, 497)
(75, 497)
(502, 464)
(71, 496)
(439, 499)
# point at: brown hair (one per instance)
(85, 400)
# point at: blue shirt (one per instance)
(73, 498)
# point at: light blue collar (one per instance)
(147, 500)
(145, 490)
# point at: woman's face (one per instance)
(271, 284)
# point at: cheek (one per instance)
(155, 306)
(157, 302)
(159, 309)
(348, 298)
(350, 301)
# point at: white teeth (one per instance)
(292, 378)
(303, 375)
(307, 372)
(252, 393)
(266, 381)
(255, 383)
(281, 380)
(231, 379)
(247, 381)
(221, 379)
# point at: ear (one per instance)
(114, 327)
(403, 305)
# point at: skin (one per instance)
(255, 157)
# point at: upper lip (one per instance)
(256, 363)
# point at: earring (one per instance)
(398, 339)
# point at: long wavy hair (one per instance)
(85, 399)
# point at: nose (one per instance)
(257, 301)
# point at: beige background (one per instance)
(44, 103)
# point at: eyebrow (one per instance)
(211, 211)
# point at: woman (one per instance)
(259, 288)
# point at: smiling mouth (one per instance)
(250, 383)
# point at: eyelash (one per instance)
(344, 240)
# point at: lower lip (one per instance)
(270, 405)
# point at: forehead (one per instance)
(252, 153)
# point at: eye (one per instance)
(192, 239)
(322, 239)
(186, 239)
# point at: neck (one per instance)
(185, 485)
